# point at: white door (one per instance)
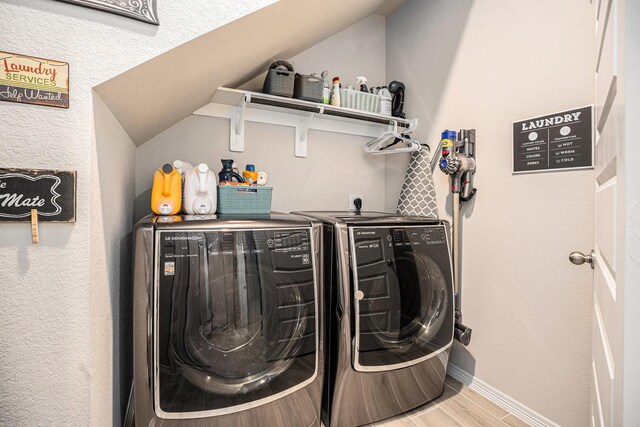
(616, 283)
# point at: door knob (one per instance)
(579, 258)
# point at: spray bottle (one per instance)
(361, 82)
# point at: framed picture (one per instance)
(142, 10)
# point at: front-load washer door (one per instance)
(402, 294)
(235, 319)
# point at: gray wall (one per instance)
(336, 165)
(482, 65)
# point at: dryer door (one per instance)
(403, 295)
(235, 319)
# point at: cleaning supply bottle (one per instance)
(326, 88)
(182, 167)
(335, 92)
(200, 191)
(227, 174)
(385, 101)
(166, 194)
(361, 82)
(250, 175)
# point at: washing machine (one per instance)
(390, 314)
(227, 321)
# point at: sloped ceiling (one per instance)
(159, 93)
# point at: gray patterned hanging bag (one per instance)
(418, 195)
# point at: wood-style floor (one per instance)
(458, 406)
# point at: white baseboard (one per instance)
(499, 398)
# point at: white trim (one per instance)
(605, 271)
(604, 337)
(598, 399)
(504, 401)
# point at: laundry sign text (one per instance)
(555, 141)
(52, 193)
(551, 121)
(31, 80)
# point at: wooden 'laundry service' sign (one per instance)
(51, 193)
(556, 141)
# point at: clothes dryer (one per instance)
(390, 316)
(227, 315)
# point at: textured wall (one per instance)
(482, 65)
(47, 324)
(112, 172)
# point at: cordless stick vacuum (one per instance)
(459, 161)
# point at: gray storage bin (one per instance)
(279, 82)
(308, 87)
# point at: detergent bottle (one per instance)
(227, 173)
(200, 191)
(166, 194)
(182, 167)
(385, 101)
(250, 175)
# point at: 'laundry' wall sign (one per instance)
(51, 193)
(556, 141)
(32, 80)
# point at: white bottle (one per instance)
(200, 191)
(335, 92)
(182, 167)
(385, 101)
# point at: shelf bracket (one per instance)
(302, 131)
(236, 134)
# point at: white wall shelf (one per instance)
(240, 106)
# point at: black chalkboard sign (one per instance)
(556, 141)
(52, 193)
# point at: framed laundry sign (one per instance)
(52, 193)
(554, 142)
(31, 80)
